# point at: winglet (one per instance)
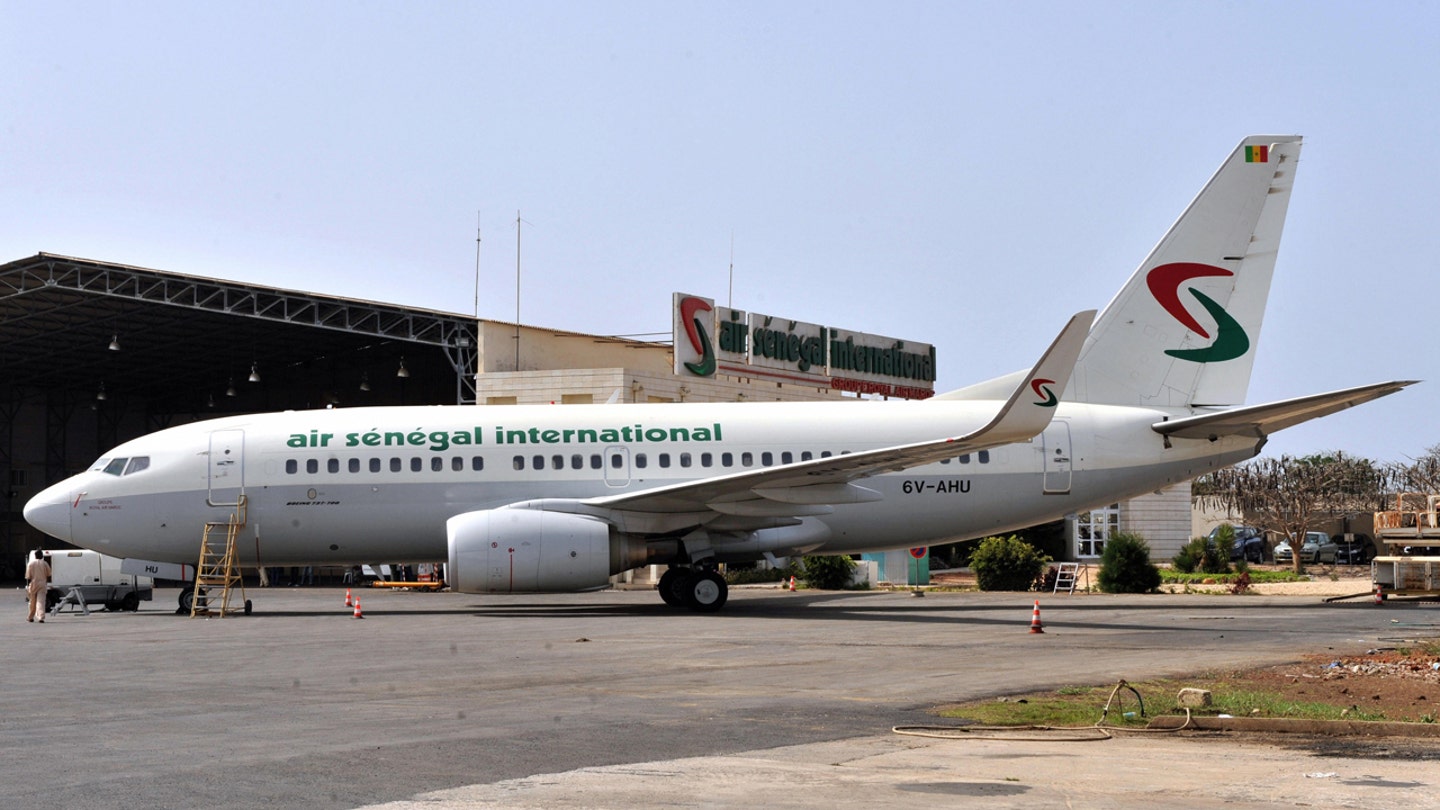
(1031, 405)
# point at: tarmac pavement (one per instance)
(613, 699)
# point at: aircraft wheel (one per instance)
(706, 592)
(187, 599)
(672, 586)
(130, 602)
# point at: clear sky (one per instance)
(959, 173)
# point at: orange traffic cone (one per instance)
(348, 603)
(1035, 626)
(792, 584)
(1379, 596)
(358, 614)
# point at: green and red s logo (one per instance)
(1041, 387)
(699, 336)
(1230, 338)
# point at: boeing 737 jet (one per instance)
(560, 498)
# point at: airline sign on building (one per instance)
(712, 340)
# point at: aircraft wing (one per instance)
(810, 487)
(1259, 421)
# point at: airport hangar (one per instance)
(96, 353)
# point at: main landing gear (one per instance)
(700, 589)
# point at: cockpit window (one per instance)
(116, 466)
(137, 464)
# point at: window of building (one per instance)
(1093, 528)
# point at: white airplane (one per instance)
(544, 499)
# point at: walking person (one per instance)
(37, 582)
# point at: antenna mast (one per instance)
(517, 289)
(477, 265)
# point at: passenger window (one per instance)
(374, 465)
(824, 454)
(312, 466)
(767, 459)
(806, 455)
(965, 458)
(518, 462)
(457, 464)
(354, 465)
(746, 459)
(137, 464)
(664, 459)
(537, 463)
(332, 465)
(944, 461)
(684, 459)
(640, 460)
(707, 460)
(416, 465)
(116, 467)
(727, 459)
(395, 465)
(477, 463)
(984, 456)
(291, 466)
(437, 464)
(617, 460)
(577, 462)
(787, 457)
(557, 462)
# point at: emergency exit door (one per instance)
(1056, 447)
(226, 468)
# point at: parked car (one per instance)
(1354, 549)
(1317, 548)
(1249, 544)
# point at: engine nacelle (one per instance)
(524, 550)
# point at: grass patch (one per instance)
(1172, 577)
(1079, 706)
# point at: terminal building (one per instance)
(97, 353)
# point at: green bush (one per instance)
(749, 574)
(1006, 564)
(829, 572)
(1202, 555)
(1125, 565)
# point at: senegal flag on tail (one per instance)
(1257, 154)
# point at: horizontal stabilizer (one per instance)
(1259, 421)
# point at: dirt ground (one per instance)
(1400, 681)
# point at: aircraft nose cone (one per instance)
(50, 513)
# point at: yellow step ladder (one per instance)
(219, 567)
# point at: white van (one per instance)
(99, 578)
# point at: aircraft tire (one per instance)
(672, 586)
(187, 599)
(130, 602)
(706, 592)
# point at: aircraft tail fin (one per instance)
(1184, 329)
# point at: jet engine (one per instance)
(525, 550)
